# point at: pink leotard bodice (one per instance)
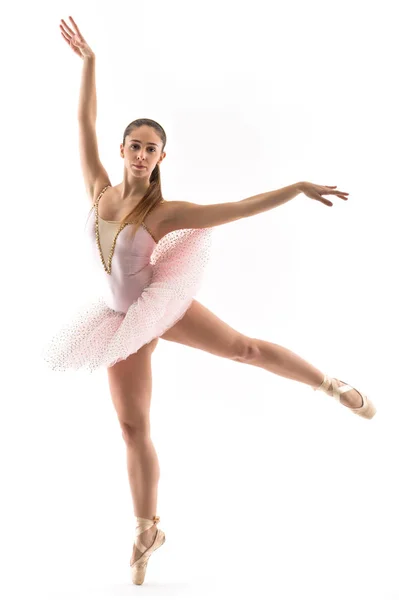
(131, 270)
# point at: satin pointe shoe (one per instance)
(331, 386)
(139, 566)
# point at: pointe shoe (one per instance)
(331, 387)
(139, 566)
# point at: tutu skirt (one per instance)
(99, 336)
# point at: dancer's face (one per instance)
(142, 147)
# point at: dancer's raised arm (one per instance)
(187, 215)
(94, 174)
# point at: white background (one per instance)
(266, 487)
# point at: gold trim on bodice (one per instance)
(107, 268)
(122, 226)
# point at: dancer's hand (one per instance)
(76, 40)
(317, 191)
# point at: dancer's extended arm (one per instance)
(94, 174)
(187, 215)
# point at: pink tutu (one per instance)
(99, 336)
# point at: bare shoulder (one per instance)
(173, 208)
(166, 213)
(160, 218)
(100, 185)
(170, 207)
(176, 215)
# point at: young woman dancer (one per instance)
(150, 279)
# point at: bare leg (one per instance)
(130, 382)
(284, 362)
(143, 472)
(200, 328)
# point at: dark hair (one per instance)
(153, 195)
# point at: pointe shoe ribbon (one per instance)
(138, 568)
(331, 387)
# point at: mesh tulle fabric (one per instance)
(98, 336)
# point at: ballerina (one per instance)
(151, 255)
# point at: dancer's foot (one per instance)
(351, 399)
(356, 401)
(147, 539)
